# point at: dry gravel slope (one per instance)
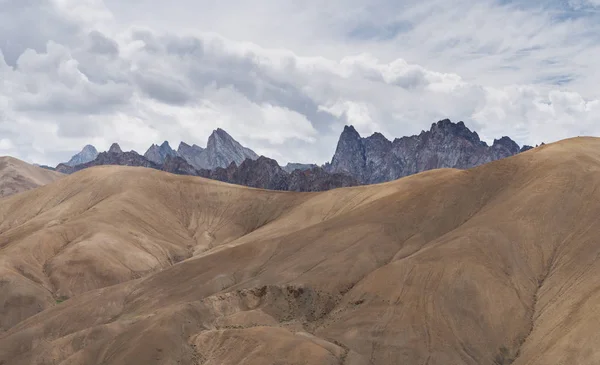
(17, 176)
(493, 265)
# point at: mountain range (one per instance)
(494, 265)
(357, 160)
(375, 159)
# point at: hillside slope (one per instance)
(17, 176)
(492, 265)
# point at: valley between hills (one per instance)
(494, 264)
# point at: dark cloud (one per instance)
(163, 88)
(31, 24)
(101, 44)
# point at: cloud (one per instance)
(141, 72)
(6, 144)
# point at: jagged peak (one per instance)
(378, 137)
(89, 148)
(263, 159)
(115, 148)
(446, 126)
(507, 143)
(220, 135)
(350, 129)
(526, 148)
(349, 132)
(505, 140)
(185, 146)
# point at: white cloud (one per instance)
(141, 72)
(355, 113)
(6, 144)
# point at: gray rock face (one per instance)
(114, 156)
(291, 167)
(221, 150)
(350, 156)
(87, 154)
(262, 172)
(265, 173)
(376, 159)
(115, 148)
(158, 154)
(526, 148)
(190, 153)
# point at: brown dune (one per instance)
(17, 176)
(493, 265)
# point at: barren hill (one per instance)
(17, 176)
(492, 265)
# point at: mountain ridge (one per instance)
(365, 160)
(376, 159)
(492, 265)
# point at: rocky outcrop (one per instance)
(526, 148)
(158, 154)
(265, 173)
(291, 167)
(191, 154)
(115, 148)
(375, 159)
(114, 156)
(262, 173)
(87, 154)
(317, 179)
(178, 165)
(221, 150)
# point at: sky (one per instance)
(284, 77)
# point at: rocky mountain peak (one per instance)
(219, 136)
(115, 148)
(377, 141)
(350, 132)
(192, 154)
(222, 149)
(378, 137)
(89, 149)
(508, 144)
(158, 154)
(375, 159)
(87, 154)
(446, 128)
(349, 154)
(526, 148)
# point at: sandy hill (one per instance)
(493, 265)
(17, 176)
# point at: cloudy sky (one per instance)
(283, 77)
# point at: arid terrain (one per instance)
(125, 265)
(17, 176)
